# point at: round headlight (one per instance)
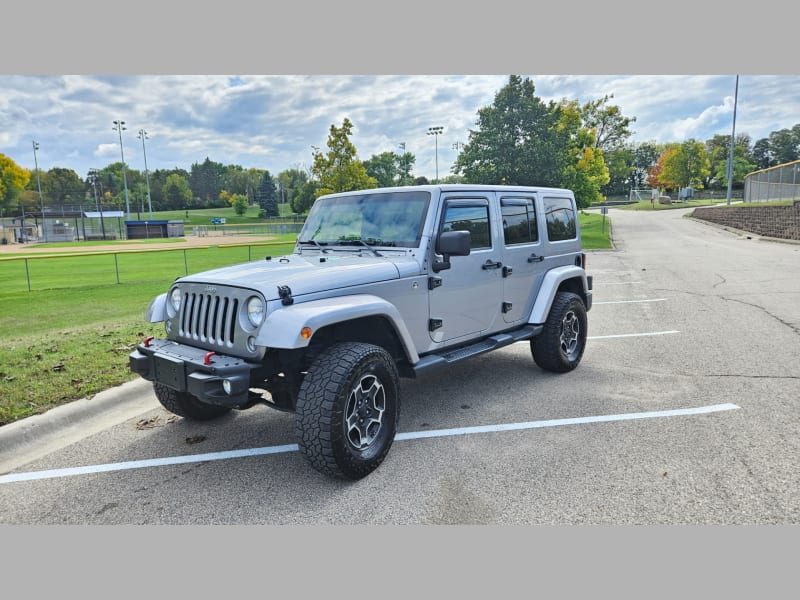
(255, 311)
(175, 300)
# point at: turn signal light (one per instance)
(306, 332)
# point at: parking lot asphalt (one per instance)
(684, 410)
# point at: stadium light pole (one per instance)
(39, 185)
(119, 127)
(733, 138)
(143, 136)
(436, 132)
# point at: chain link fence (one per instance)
(779, 183)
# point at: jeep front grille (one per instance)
(207, 318)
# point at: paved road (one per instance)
(725, 314)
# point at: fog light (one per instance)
(251, 344)
(227, 386)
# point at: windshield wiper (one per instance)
(354, 241)
(313, 243)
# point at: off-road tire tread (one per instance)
(317, 416)
(545, 347)
(187, 406)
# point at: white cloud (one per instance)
(708, 119)
(271, 121)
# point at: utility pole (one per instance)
(733, 139)
(39, 184)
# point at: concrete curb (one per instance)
(30, 439)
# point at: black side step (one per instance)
(432, 362)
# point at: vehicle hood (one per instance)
(307, 274)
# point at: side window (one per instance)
(561, 219)
(469, 217)
(519, 221)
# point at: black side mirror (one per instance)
(451, 243)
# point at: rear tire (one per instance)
(348, 409)
(187, 406)
(560, 346)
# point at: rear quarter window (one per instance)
(562, 222)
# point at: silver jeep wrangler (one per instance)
(382, 284)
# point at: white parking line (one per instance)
(414, 435)
(628, 301)
(615, 282)
(626, 335)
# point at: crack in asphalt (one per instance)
(791, 326)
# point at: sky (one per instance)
(272, 121)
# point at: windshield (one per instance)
(393, 219)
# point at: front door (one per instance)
(465, 300)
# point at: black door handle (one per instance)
(489, 264)
(534, 258)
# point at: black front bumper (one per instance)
(188, 369)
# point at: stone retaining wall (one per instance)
(769, 221)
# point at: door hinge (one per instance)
(434, 282)
(507, 307)
(434, 324)
(507, 271)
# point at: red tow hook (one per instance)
(147, 341)
(207, 358)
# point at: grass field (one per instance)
(595, 234)
(204, 216)
(70, 337)
(645, 204)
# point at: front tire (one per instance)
(347, 409)
(187, 406)
(560, 346)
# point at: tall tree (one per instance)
(384, 167)
(645, 158)
(687, 166)
(620, 163)
(784, 147)
(611, 127)
(291, 181)
(585, 171)
(741, 167)
(404, 165)
(206, 181)
(516, 140)
(267, 195)
(177, 193)
(339, 170)
(718, 149)
(63, 186)
(303, 197)
(13, 180)
(762, 154)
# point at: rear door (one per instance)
(523, 255)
